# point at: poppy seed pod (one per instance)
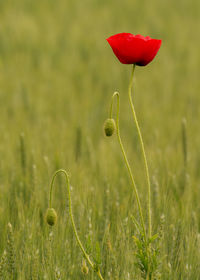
(51, 216)
(109, 127)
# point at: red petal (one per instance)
(134, 49)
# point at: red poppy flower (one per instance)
(134, 49)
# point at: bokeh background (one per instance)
(57, 76)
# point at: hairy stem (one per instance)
(142, 147)
(71, 217)
(116, 94)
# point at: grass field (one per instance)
(57, 76)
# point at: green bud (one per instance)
(51, 216)
(109, 127)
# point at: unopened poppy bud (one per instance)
(109, 127)
(84, 268)
(51, 216)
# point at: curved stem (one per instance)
(142, 147)
(71, 216)
(99, 274)
(126, 160)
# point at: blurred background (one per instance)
(58, 72)
(57, 76)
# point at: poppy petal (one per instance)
(134, 49)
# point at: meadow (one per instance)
(57, 76)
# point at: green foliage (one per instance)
(146, 257)
(148, 253)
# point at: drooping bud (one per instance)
(51, 216)
(109, 127)
(84, 268)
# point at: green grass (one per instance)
(57, 75)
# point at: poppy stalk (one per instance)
(86, 256)
(136, 50)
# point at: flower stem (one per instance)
(71, 216)
(99, 274)
(126, 160)
(142, 147)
